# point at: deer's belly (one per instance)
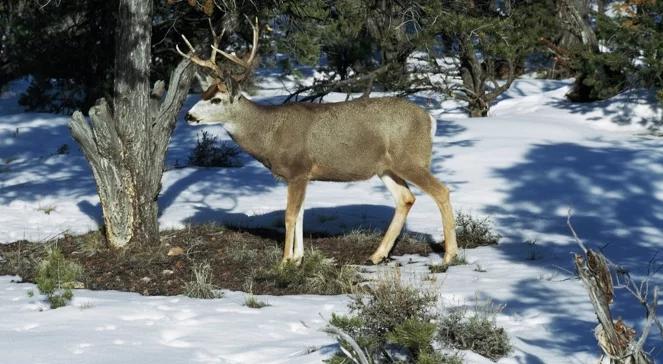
(345, 172)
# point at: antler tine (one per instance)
(231, 57)
(254, 46)
(246, 64)
(215, 39)
(177, 47)
(193, 57)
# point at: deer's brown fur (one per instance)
(341, 142)
(346, 141)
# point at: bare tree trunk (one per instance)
(126, 144)
(574, 15)
(476, 75)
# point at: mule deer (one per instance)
(346, 141)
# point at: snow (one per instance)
(115, 327)
(535, 157)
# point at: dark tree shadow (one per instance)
(31, 168)
(519, 88)
(611, 190)
(615, 193)
(621, 109)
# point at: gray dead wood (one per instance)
(126, 143)
(617, 340)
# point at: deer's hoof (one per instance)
(449, 258)
(296, 261)
(377, 259)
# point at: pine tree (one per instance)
(489, 41)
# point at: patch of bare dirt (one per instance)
(240, 259)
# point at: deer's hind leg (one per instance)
(299, 236)
(424, 179)
(294, 246)
(404, 200)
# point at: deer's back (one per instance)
(358, 139)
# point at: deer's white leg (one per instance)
(296, 192)
(404, 200)
(299, 236)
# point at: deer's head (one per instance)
(221, 85)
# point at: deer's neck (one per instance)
(250, 127)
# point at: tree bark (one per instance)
(616, 339)
(574, 15)
(126, 144)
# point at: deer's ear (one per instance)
(205, 80)
(232, 87)
(211, 91)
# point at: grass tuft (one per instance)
(475, 331)
(252, 302)
(317, 274)
(472, 232)
(201, 286)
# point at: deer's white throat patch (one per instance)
(231, 128)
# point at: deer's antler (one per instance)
(211, 62)
(248, 63)
(195, 58)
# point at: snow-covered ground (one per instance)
(525, 166)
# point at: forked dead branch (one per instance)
(617, 340)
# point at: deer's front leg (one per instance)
(296, 193)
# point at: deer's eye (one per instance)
(215, 100)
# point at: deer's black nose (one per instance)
(190, 118)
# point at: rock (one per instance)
(175, 251)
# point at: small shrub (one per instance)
(389, 303)
(476, 331)
(317, 274)
(414, 334)
(201, 286)
(209, 152)
(56, 277)
(392, 317)
(252, 302)
(53, 95)
(439, 358)
(472, 232)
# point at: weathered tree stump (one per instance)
(126, 143)
(615, 338)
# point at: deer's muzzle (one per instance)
(191, 119)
